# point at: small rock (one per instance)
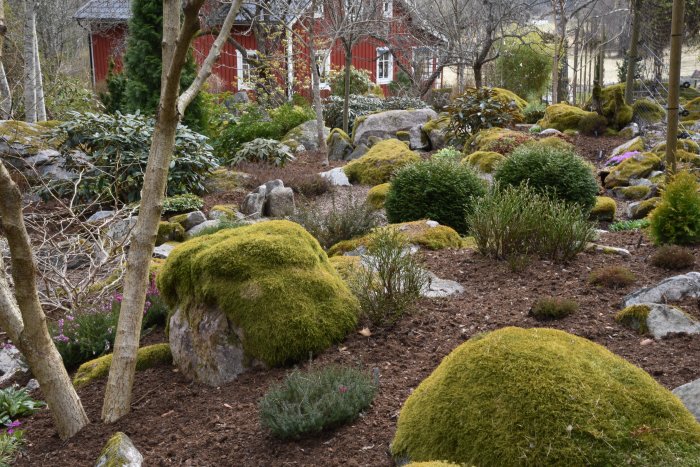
(272, 184)
(550, 132)
(647, 342)
(359, 151)
(204, 225)
(440, 288)
(11, 362)
(254, 202)
(163, 251)
(689, 394)
(32, 385)
(280, 202)
(432, 224)
(666, 319)
(336, 177)
(193, 219)
(119, 452)
(609, 250)
(100, 215)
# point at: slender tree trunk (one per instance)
(477, 69)
(29, 62)
(346, 91)
(674, 82)
(39, 80)
(177, 38)
(23, 319)
(5, 92)
(632, 55)
(316, 89)
(574, 82)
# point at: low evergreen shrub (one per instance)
(676, 220)
(553, 308)
(269, 151)
(593, 125)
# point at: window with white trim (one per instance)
(323, 65)
(244, 72)
(385, 66)
(388, 8)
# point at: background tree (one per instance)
(34, 106)
(5, 92)
(524, 66)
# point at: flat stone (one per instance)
(336, 177)
(163, 251)
(204, 225)
(689, 394)
(441, 288)
(668, 290)
(119, 452)
(666, 319)
(625, 147)
(608, 250)
(550, 132)
(100, 216)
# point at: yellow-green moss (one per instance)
(484, 161)
(339, 132)
(439, 123)
(604, 209)
(692, 106)
(562, 117)
(111, 455)
(106, 282)
(345, 265)
(380, 162)
(155, 266)
(432, 464)
(377, 195)
(223, 180)
(168, 231)
(543, 397)
(507, 96)
(614, 107)
(500, 140)
(638, 166)
(648, 110)
(228, 210)
(554, 142)
(416, 232)
(635, 317)
(273, 281)
(634, 192)
(179, 219)
(681, 144)
(28, 134)
(146, 357)
(646, 207)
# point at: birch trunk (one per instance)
(22, 317)
(5, 92)
(632, 56)
(316, 90)
(177, 37)
(29, 62)
(39, 81)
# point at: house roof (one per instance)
(104, 10)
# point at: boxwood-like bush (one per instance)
(559, 172)
(433, 189)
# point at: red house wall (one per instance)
(107, 44)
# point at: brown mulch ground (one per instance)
(177, 422)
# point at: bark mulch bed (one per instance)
(176, 422)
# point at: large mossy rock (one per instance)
(563, 117)
(380, 162)
(614, 107)
(305, 135)
(500, 140)
(484, 161)
(436, 131)
(647, 110)
(543, 397)
(260, 295)
(693, 108)
(635, 167)
(385, 125)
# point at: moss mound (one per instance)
(377, 195)
(273, 281)
(500, 140)
(647, 110)
(170, 231)
(432, 464)
(562, 117)
(484, 161)
(146, 357)
(693, 108)
(604, 209)
(636, 192)
(634, 317)
(614, 107)
(543, 397)
(380, 162)
(344, 265)
(638, 166)
(681, 144)
(554, 142)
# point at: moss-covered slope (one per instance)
(380, 162)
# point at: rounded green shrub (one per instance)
(647, 110)
(377, 195)
(500, 140)
(436, 190)
(380, 162)
(560, 173)
(484, 161)
(543, 397)
(676, 220)
(554, 142)
(272, 280)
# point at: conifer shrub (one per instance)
(612, 277)
(377, 195)
(436, 190)
(548, 395)
(560, 173)
(673, 258)
(547, 308)
(676, 220)
(309, 402)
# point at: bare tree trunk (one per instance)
(177, 37)
(632, 56)
(476, 68)
(39, 80)
(346, 91)
(5, 92)
(23, 319)
(574, 82)
(29, 62)
(674, 82)
(316, 90)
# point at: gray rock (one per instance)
(440, 288)
(436, 131)
(213, 354)
(220, 213)
(625, 147)
(204, 225)
(42, 157)
(339, 148)
(550, 132)
(304, 137)
(336, 177)
(666, 319)
(671, 289)
(11, 363)
(120, 230)
(385, 125)
(359, 151)
(608, 250)
(280, 202)
(418, 139)
(100, 216)
(689, 394)
(163, 251)
(641, 182)
(193, 219)
(119, 452)
(254, 203)
(272, 184)
(32, 385)
(55, 172)
(241, 97)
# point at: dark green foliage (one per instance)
(673, 257)
(345, 220)
(513, 223)
(556, 171)
(477, 109)
(263, 150)
(65, 94)
(612, 277)
(534, 112)
(593, 125)
(620, 226)
(553, 308)
(16, 403)
(256, 123)
(525, 69)
(309, 402)
(364, 105)
(402, 85)
(389, 280)
(114, 98)
(90, 334)
(438, 190)
(117, 148)
(677, 219)
(182, 203)
(360, 82)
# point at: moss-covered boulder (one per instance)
(259, 295)
(345, 265)
(693, 109)
(428, 234)
(169, 232)
(641, 209)
(635, 144)
(119, 451)
(647, 110)
(635, 167)
(562, 117)
(604, 209)
(377, 195)
(304, 137)
(500, 140)
(146, 357)
(555, 142)
(543, 397)
(633, 193)
(687, 145)
(380, 162)
(507, 96)
(436, 131)
(484, 161)
(614, 107)
(384, 125)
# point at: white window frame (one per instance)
(388, 8)
(381, 51)
(325, 69)
(241, 63)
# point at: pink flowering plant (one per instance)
(616, 160)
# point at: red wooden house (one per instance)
(107, 24)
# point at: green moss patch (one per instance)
(638, 166)
(484, 161)
(170, 231)
(345, 265)
(543, 397)
(562, 117)
(146, 357)
(681, 144)
(377, 195)
(272, 280)
(614, 107)
(604, 209)
(500, 140)
(636, 192)
(648, 110)
(380, 162)
(634, 317)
